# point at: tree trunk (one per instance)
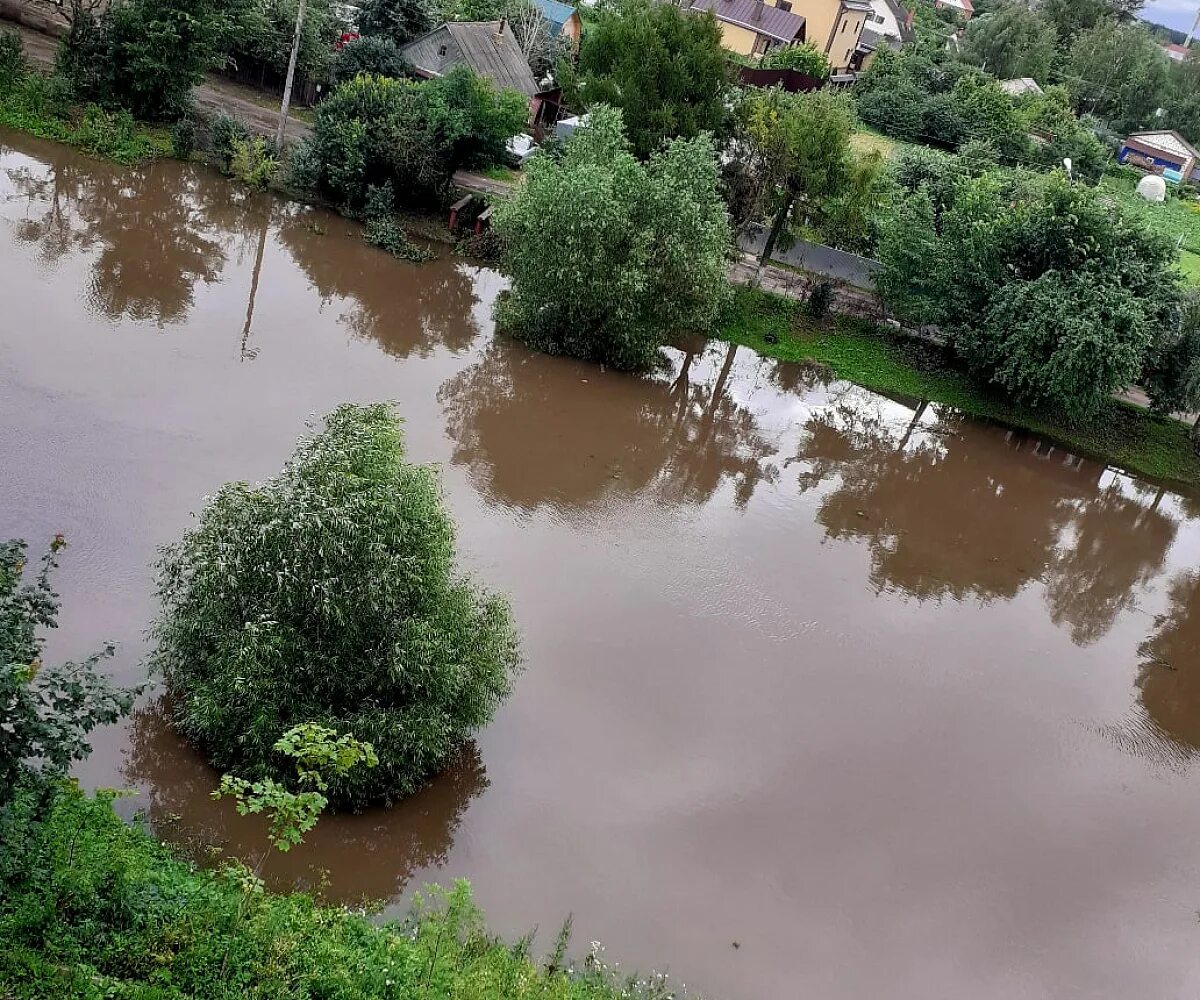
(777, 225)
(291, 75)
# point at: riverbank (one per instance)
(856, 350)
(94, 907)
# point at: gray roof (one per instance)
(755, 16)
(489, 48)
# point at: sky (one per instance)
(1173, 13)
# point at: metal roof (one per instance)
(558, 14)
(1168, 142)
(753, 15)
(488, 48)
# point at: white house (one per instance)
(891, 21)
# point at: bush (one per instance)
(608, 255)
(12, 59)
(805, 58)
(372, 55)
(329, 594)
(374, 129)
(383, 231)
(253, 161)
(183, 138)
(224, 135)
(819, 299)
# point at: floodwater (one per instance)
(828, 695)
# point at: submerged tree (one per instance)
(607, 254)
(329, 594)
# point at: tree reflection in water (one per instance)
(951, 509)
(533, 431)
(349, 858)
(408, 308)
(149, 229)
(1168, 678)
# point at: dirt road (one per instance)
(259, 110)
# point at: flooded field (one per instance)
(828, 695)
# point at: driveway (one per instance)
(837, 265)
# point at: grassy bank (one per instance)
(92, 908)
(1124, 435)
(35, 104)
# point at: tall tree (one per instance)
(663, 67)
(1118, 72)
(399, 20)
(1013, 41)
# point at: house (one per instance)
(563, 18)
(1021, 87)
(491, 51)
(1166, 153)
(890, 22)
(964, 8)
(751, 27)
(1176, 53)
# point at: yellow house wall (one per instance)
(818, 19)
(739, 40)
(845, 40)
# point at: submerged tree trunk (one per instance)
(291, 74)
(777, 225)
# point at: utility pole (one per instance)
(291, 75)
(1187, 42)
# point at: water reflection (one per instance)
(1114, 545)
(150, 240)
(408, 308)
(948, 509)
(1168, 679)
(551, 431)
(371, 856)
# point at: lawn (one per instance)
(1127, 436)
(1189, 264)
(867, 141)
(1174, 218)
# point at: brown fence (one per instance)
(791, 80)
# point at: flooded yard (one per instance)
(828, 695)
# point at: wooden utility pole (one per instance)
(291, 75)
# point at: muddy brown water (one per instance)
(904, 705)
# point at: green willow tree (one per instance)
(609, 255)
(329, 594)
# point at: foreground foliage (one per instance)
(608, 255)
(91, 907)
(329, 594)
(1126, 435)
(46, 711)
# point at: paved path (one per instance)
(837, 265)
(258, 110)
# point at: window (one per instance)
(761, 44)
(844, 27)
(441, 50)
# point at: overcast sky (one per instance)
(1173, 13)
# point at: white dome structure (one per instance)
(1152, 188)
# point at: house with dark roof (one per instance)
(751, 27)
(563, 19)
(491, 51)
